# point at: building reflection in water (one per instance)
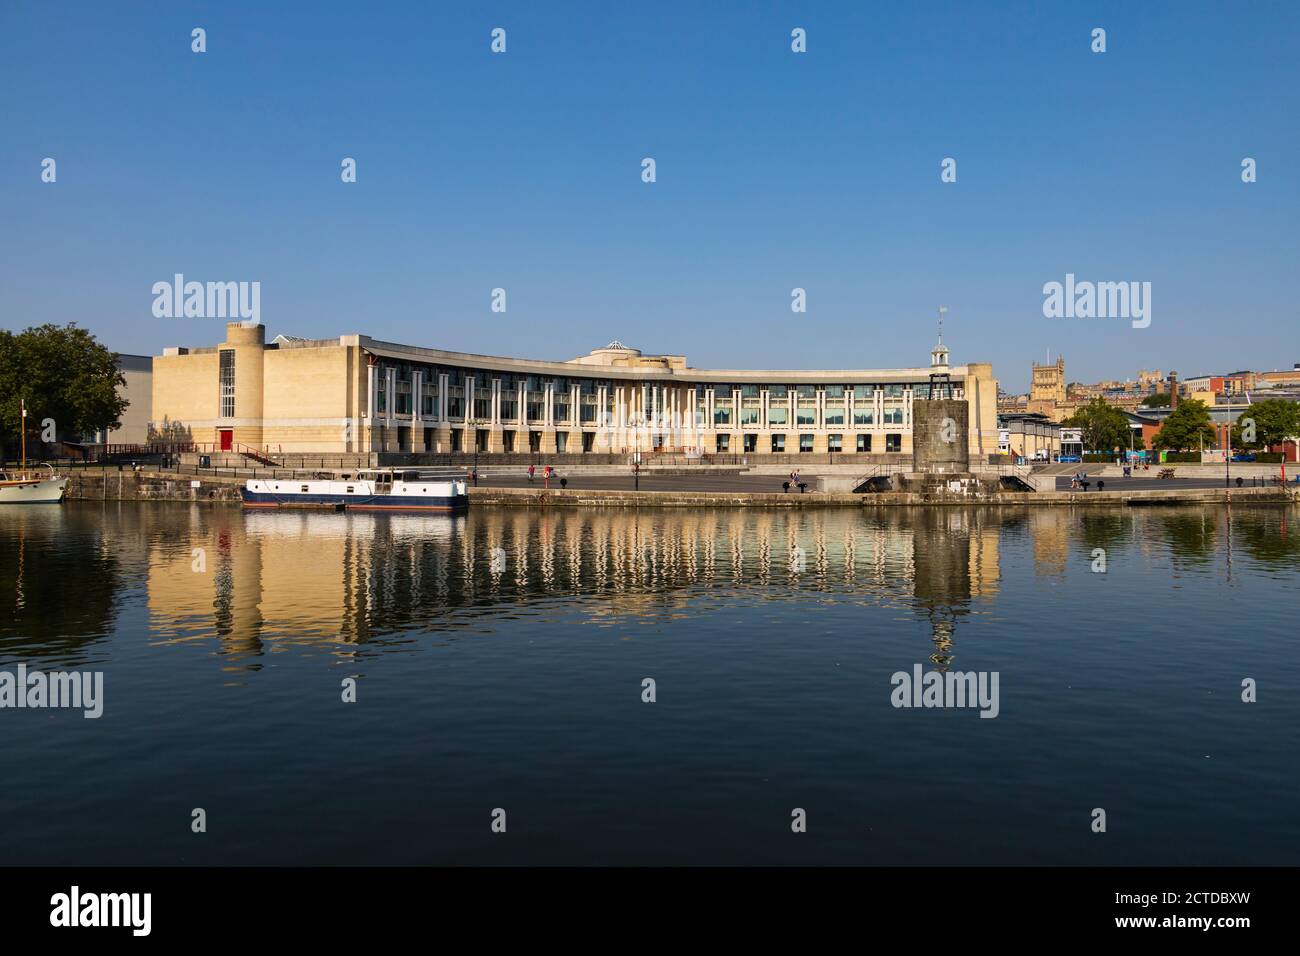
(275, 580)
(351, 584)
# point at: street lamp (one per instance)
(1227, 454)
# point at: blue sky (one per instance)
(775, 170)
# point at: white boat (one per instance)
(381, 489)
(30, 488)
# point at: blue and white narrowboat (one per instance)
(383, 489)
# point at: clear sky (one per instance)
(775, 170)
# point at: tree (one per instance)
(1159, 400)
(1275, 420)
(1187, 428)
(1105, 427)
(64, 375)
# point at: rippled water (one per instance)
(512, 679)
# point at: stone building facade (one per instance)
(357, 394)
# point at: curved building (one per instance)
(357, 394)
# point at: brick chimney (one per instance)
(1173, 389)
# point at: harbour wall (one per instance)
(147, 486)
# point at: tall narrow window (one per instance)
(227, 383)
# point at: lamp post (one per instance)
(1227, 454)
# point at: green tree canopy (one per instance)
(63, 374)
(1159, 400)
(1104, 426)
(1275, 419)
(1187, 428)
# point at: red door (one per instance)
(227, 436)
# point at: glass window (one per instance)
(751, 443)
(806, 391)
(722, 416)
(863, 393)
(536, 411)
(749, 416)
(482, 408)
(561, 410)
(509, 409)
(778, 444)
(453, 407)
(834, 442)
(893, 391)
(749, 391)
(228, 383)
(806, 415)
(805, 443)
(921, 392)
(723, 442)
(863, 416)
(778, 414)
(834, 416)
(864, 443)
(777, 392)
(893, 416)
(893, 442)
(834, 391)
(561, 442)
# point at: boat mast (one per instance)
(22, 431)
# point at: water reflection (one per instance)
(261, 582)
(56, 603)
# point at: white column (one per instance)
(442, 397)
(370, 393)
(392, 391)
(496, 401)
(415, 398)
(548, 412)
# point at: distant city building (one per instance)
(1275, 378)
(1047, 388)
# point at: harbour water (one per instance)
(499, 661)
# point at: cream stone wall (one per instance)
(185, 397)
(294, 395)
(307, 403)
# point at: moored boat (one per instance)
(382, 489)
(24, 487)
(28, 489)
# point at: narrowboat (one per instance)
(380, 489)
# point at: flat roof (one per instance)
(579, 370)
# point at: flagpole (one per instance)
(22, 431)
